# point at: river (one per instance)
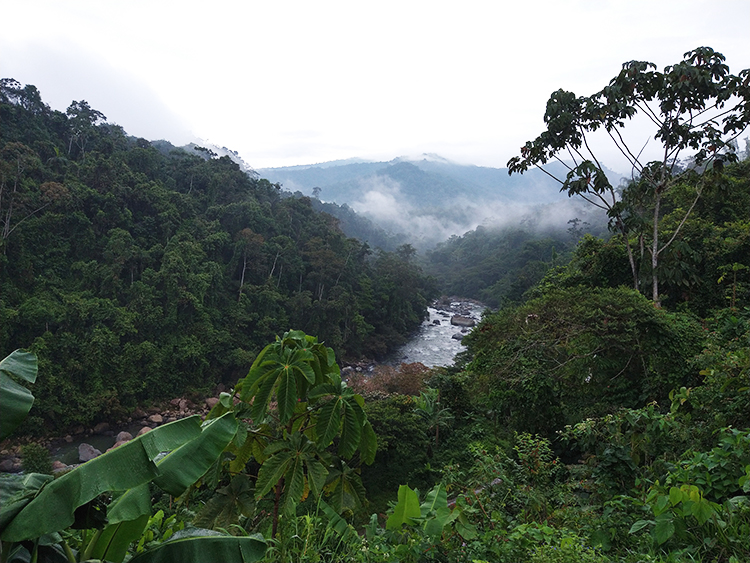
(434, 343)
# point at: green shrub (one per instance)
(36, 459)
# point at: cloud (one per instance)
(64, 72)
(383, 202)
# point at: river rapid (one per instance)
(434, 343)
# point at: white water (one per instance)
(434, 345)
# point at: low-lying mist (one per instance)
(429, 221)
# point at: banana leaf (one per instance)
(15, 399)
(123, 468)
(206, 548)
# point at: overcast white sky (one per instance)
(299, 82)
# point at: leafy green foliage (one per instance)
(577, 353)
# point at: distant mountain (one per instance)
(430, 198)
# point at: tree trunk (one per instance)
(276, 502)
(655, 252)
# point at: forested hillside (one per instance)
(136, 274)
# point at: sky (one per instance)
(301, 82)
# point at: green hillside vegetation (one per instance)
(136, 274)
(591, 419)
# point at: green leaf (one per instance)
(287, 394)
(210, 548)
(639, 525)
(664, 528)
(112, 545)
(661, 505)
(329, 421)
(406, 509)
(351, 432)
(368, 445)
(185, 465)
(130, 505)
(15, 399)
(16, 491)
(270, 472)
(340, 526)
(675, 496)
(436, 499)
(702, 510)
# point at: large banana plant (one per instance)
(36, 508)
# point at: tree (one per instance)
(299, 406)
(82, 119)
(697, 109)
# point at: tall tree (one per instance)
(697, 109)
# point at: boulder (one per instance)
(124, 437)
(101, 428)
(58, 465)
(87, 452)
(156, 419)
(458, 320)
(143, 430)
(69, 439)
(6, 466)
(458, 336)
(436, 322)
(118, 444)
(139, 413)
(211, 402)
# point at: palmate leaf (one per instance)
(206, 548)
(15, 399)
(225, 507)
(345, 486)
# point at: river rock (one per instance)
(139, 413)
(211, 402)
(124, 437)
(6, 466)
(101, 428)
(58, 465)
(156, 419)
(143, 430)
(436, 322)
(457, 336)
(458, 320)
(118, 444)
(87, 452)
